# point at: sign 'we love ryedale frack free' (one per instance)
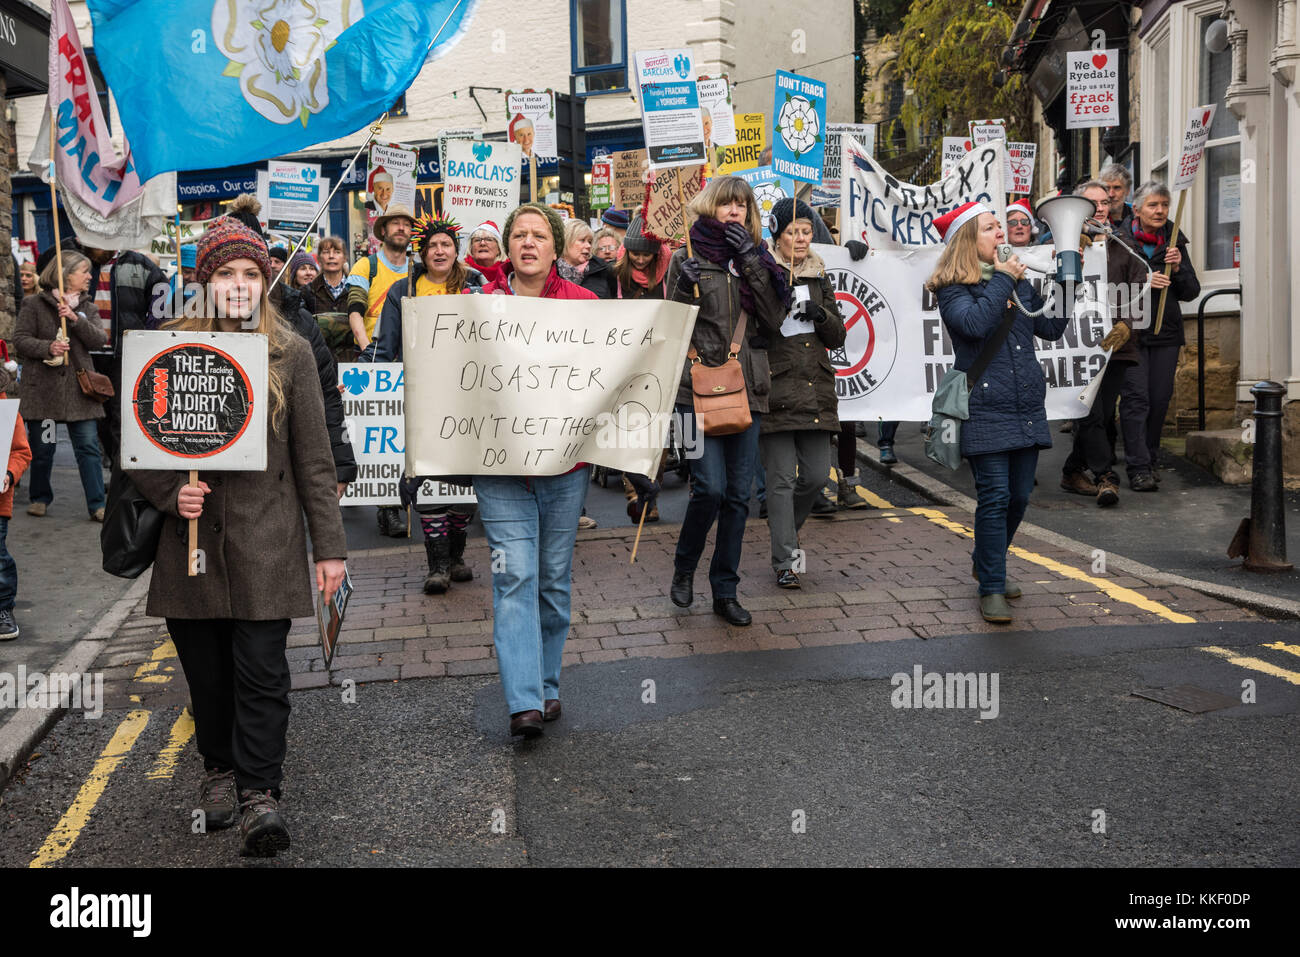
(1092, 89)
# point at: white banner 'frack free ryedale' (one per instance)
(897, 348)
(507, 385)
(886, 213)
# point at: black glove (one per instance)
(689, 275)
(739, 239)
(408, 490)
(807, 311)
(856, 249)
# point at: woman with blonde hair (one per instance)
(993, 339)
(49, 390)
(743, 297)
(580, 267)
(230, 623)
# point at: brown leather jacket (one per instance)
(719, 302)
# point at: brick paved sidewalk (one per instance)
(875, 575)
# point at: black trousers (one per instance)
(1148, 389)
(239, 688)
(1093, 448)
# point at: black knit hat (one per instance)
(636, 241)
(786, 210)
(617, 218)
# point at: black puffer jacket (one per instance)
(599, 278)
(289, 302)
(138, 284)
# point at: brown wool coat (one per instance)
(803, 379)
(251, 529)
(52, 392)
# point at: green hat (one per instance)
(552, 217)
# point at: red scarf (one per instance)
(1149, 239)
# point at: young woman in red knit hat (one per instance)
(230, 623)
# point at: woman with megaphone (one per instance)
(993, 338)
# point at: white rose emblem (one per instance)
(798, 125)
(277, 49)
(767, 195)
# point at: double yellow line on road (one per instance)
(65, 833)
(1259, 664)
(1109, 588)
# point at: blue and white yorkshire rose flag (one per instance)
(209, 83)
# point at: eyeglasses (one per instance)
(1018, 221)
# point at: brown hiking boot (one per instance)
(218, 800)
(261, 828)
(1107, 491)
(1078, 483)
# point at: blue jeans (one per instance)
(531, 525)
(720, 482)
(85, 445)
(885, 432)
(8, 570)
(1003, 482)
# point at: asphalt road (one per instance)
(736, 751)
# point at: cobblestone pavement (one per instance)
(872, 575)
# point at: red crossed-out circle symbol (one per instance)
(855, 313)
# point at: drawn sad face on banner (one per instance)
(871, 344)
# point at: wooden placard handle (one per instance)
(1169, 268)
(681, 198)
(194, 529)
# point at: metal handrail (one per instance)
(1200, 351)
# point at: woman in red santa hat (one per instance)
(486, 254)
(993, 339)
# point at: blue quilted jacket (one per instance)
(1006, 404)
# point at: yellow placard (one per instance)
(748, 148)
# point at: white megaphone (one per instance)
(1065, 216)
(1036, 258)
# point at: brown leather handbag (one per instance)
(94, 385)
(721, 402)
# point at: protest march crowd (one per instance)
(768, 321)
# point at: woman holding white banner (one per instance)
(993, 340)
(231, 621)
(532, 522)
(795, 444)
(436, 272)
(743, 297)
